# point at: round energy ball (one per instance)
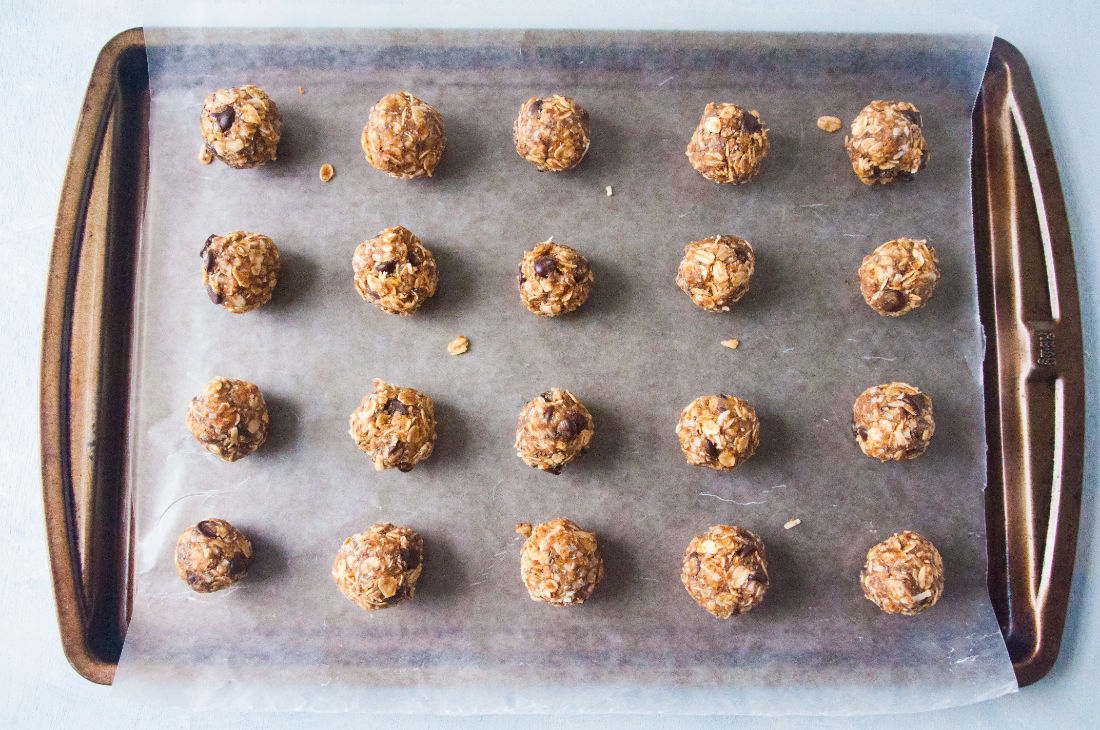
(729, 144)
(886, 143)
(719, 431)
(893, 422)
(229, 418)
(396, 426)
(726, 570)
(899, 276)
(404, 136)
(241, 126)
(553, 429)
(239, 270)
(551, 133)
(715, 272)
(560, 563)
(379, 568)
(212, 555)
(903, 574)
(394, 271)
(554, 279)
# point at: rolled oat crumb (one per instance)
(718, 431)
(829, 124)
(609, 191)
(459, 345)
(792, 523)
(560, 563)
(394, 271)
(731, 344)
(205, 155)
(903, 574)
(327, 172)
(553, 429)
(212, 555)
(395, 426)
(726, 570)
(301, 90)
(379, 568)
(893, 422)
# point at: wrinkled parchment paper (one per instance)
(636, 354)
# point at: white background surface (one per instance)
(46, 54)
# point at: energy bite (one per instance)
(404, 136)
(715, 272)
(241, 126)
(726, 570)
(239, 270)
(893, 422)
(394, 271)
(395, 425)
(212, 555)
(560, 563)
(554, 279)
(899, 276)
(379, 568)
(729, 145)
(553, 429)
(229, 418)
(719, 431)
(886, 142)
(903, 574)
(551, 133)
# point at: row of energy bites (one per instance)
(725, 569)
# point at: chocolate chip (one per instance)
(913, 116)
(693, 566)
(914, 451)
(215, 296)
(745, 550)
(208, 528)
(548, 415)
(193, 579)
(404, 467)
(395, 406)
(741, 252)
(386, 267)
(862, 433)
(410, 556)
(238, 565)
(224, 118)
(571, 425)
(760, 577)
(749, 123)
(206, 246)
(415, 257)
(548, 395)
(904, 175)
(397, 446)
(877, 173)
(917, 401)
(581, 270)
(544, 266)
(534, 108)
(711, 450)
(892, 300)
(555, 469)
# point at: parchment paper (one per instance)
(636, 354)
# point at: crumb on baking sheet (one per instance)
(459, 345)
(829, 123)
(205, 156)
(792, 523)
(327, 172)
(731, 344)
(609, 191)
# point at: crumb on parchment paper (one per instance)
(829, 124)
(792, 523)
(205, 156)
(609, 191)
(731, 344)
(327, 172)
(459, 345)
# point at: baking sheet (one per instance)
(636, 353)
